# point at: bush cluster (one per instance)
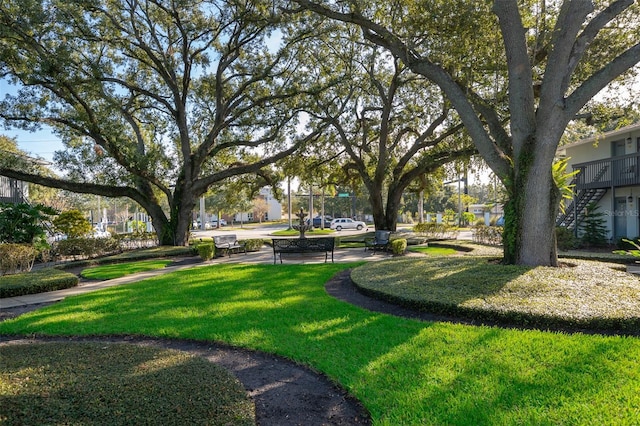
(628, 244)
(491, 235)
(399, 246)
(136, 240)
(42, 280)
(253, 244)
(436, 231)
(87, 247)
(566, 239)
(16, 258)
(206, 251)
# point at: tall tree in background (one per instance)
(392, 125)
(155, 101)
(547, 59)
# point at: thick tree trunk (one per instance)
(173, 231)
(377, 207)
(391, 214)
(530, 213)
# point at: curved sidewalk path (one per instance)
(265, 255)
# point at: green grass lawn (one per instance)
(405, 372)
(57, 384)
(587, 293)
(109, 272)
(433, 251)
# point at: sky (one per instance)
(42, 143)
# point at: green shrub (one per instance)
(435, 230)
(491, 235)
(136, 240)
(399, 246)
(16, 258)
(206, 251)
(594, 230)
(87, 247)
(22, 223)
(73, 223)
(628, 244)
(46, 279)
(634, 249)
(132, 255)
(566, 238)
(253, 244)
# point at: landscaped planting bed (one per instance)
(579, 294)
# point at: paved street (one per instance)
(262, 231)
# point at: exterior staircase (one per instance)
(582, 199)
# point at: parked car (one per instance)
(214, 223)
(317, 222)
(196, 225)
(99, 233)
(341, 223)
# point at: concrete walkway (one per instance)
(264, 256)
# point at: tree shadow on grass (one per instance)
(406, 372)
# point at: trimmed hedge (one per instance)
(40, 281)
(399, 246)
(87, 247)
(16, 258)
(206, 251)
(491, 235)
(437, 231)
(254, 244)
(140, 254)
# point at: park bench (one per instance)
(381, 241)
(228, 243)
(302, 246)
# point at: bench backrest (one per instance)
(320, 243)
(225, 239)
(382, 237)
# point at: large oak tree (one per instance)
(155, 100)
(394, 128)
(556, 57)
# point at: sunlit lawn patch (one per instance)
(405, 371)
(433, 251)
(117, 270)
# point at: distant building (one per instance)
(274, 208)
(608, 175)
(13, 191)
(479, 210)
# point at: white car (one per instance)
(341, 223)
(99, 233)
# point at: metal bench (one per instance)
(228, 243)
(381, 241)
(303, 245)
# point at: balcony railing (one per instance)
(12, 191)
(609, 172)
